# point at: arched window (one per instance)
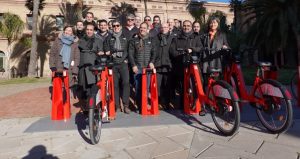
(2, 56)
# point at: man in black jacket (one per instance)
(116, 45)
(189, 43)
(130, 29)
(102, 29)
(141, 54)
(90, 46)
(163, 64)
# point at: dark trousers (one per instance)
(121, 78)
(163, 83)
(176, 83)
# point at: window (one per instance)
(29, 21)
(2, 56)
(60, 22)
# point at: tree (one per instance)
(32, 71)
(272, 24)
(29, 5)
(235, 7)
(197, 10)
(11, 27)
(73, 12)
(120, 12)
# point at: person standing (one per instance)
(130, 29)
(163, 64)
(197, 28)
(102, 29)
(156, 26)
(141, 54)
(147, 19)
(90, 46)
(116, 45)
(173, 30)
(80, 29)
(89, 19)
(138, 21)
(188, 43)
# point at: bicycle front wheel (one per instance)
(276, 114)
(95, 122)
(226, 112)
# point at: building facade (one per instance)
(175, 9)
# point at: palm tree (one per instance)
(235, 7)
(33, 54)
(73, 12)
(272, 24)
(197, 10)
(121, 11)
(11, 27)
(29, 5)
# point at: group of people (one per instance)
(134, 46)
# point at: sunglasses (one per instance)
(147, 20)
(130, 19)
(116, 26)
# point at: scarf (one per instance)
(187, 34)
(164, 40)
(65, 51)
(117, 44)
(89, 42)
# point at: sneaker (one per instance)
(127, 110)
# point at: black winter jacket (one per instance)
(141, 56)
(162, 52)
(109, 46)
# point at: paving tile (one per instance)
(93, 154)
(9, 144)
(199, 143)
(109, 135)
(166, 146)
(291, 137)
(158, 134)
(142, 152)
(246, 141)
(276, 151)
(120, 155)
(183, 139)
(175, 155)
(115, 146)
(140, 139)
(177, 130)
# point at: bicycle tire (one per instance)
(95, 122)
(227, 102)
(294, 85)
(192, 93)
(276, 101)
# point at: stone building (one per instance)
(19, 63)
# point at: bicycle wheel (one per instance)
(226, 112)
(192, 92)
(294, 85)
(277, 114)
(95, 121)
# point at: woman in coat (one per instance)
(64, 53)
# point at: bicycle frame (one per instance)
(193, 70)
(234, 70)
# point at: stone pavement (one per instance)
(26, 131)
(66, 140)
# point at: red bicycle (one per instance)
(220, 98)
(270, 98)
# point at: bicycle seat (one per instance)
(264, 64)
(96, 68)
(215, 70)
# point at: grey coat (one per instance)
(55, 60)
(88, 54)
(219, 40)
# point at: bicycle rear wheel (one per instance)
(294, 85)
(95, 121)
(192, 92)
(226, 113)
(277, 114)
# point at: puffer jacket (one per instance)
(162, 55)
(141, 56)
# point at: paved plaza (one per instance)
(30, 134)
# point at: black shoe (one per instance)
(127, 110)
(202, 112)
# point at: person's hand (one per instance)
(135, 69)
(224, 47)
(151, 65)
(107, 52)
(100, 53)
(189, 51)
(60, 70)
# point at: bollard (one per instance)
(153, 110)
